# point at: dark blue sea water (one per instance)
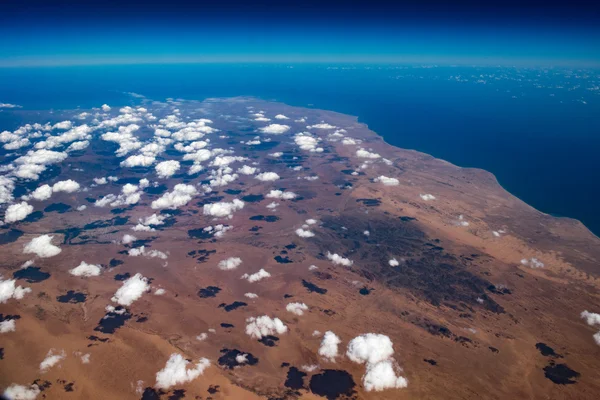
(538, 131)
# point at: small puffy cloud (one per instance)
(384, 375)
(32, 164)
(339, 260)
(85, 358)
(273, 205)
(8, 325)
(77, 146)
(180, 196)
(141, 251)
(223, 209)
(8, 105)
(52, 358)
(159, 292)
(42, 157)
(281, 194)
(131, 290)
(309, 368)
(308, 142)
(251, 295)
(362, 153)
(178, 370)
(230, 263)
(427, 197)
(42, 246)
(267, 176)
(167, 169)
(145, 224)
(219, 230)
(370, 348)
(281, 116)
(17, 212)
(241, 358)
(393, 262)
(68, 186)
(257, 327)
(387, 181)
(376, 351)
(532, 263)
(86, 270)
(64, 125)
(275, 129)
(125, 138)
(461, 221)
(257, 276)
(138, 160)
(329, 346)
(202, 337)
(21, 392)
(296, 308)
(591, 318)
(246, 170)
(322, 125)
(304, 233)
(348, 141)
(127, 238)
(7, 185)
(105, 107)
(198, 156)
(10, 290)
(100, 181)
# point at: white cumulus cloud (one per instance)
(52, 358)
(339, 260)
(387, 181)
(296, 308)
(17, 212)
(384, 375)
(131, 290)
(281, 194)
(223, 209)
(376, 351)
(257, 276)
(68, 186)
(167, 169)
(362, 153)
(42, 246)
(304, 233)
(21, 392)
(86, 270)
(10, 290)
(329, 346)
(267, 176)
(178, 370)
(246, 170)
(180, 196)
(257, 327)
(230, 263)
(275, 129)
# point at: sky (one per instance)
(527, 32)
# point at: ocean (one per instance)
(537, 130)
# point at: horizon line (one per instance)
(495, 61)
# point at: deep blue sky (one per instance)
(510, 32)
